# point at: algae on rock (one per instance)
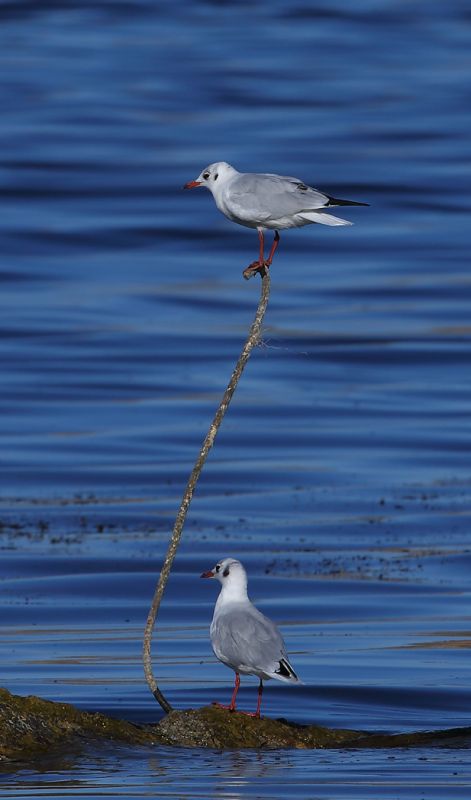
(30, 726)
(215, 727)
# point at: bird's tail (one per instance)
(324, 219)
(285, 672)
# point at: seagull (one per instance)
(267, 202)
(242, 637)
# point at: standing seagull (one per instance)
(242, 637)
(267, 202)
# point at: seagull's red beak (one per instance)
(208, 574)
(192, 184)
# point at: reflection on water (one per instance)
(341, 476)
(171, 773)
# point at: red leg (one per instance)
(260, 688)
(232, 705)
(259, 703)
(261, 264)
(273, 249)
(256, 266)
(261, 257)
(234, 693)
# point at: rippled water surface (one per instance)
(341, 476)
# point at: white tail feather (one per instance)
(291, 679)
(323, 218)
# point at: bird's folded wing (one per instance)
(247, 637)
(265, 197)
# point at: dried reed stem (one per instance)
(252, 341)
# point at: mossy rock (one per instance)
(215, 727)
(30, 726)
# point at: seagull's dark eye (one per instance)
(226, 572)
(218, 567)
(206, 175)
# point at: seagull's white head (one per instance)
(213, 177)
(230, 574)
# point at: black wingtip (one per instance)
(335, 201)
(286, 670)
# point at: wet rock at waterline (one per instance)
(215, 727)
(30, 726)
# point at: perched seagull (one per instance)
(242, 637)
(267, 202)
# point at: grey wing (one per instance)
(246, 637)
(265, 197)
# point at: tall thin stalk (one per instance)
(252, 340)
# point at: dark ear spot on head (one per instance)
(226, 572)
(216, 177)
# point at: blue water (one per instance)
(341, 476)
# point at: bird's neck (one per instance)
(233, 592)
